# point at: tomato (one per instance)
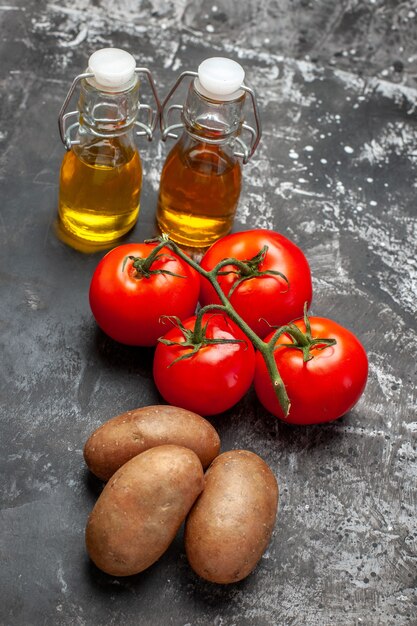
(128, 303)
(323, 388)
(215, 376)
(261, 297)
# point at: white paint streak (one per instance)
(61, 580)
(82, 35)
(66, 10)
(7, 7)
(395, 138)
(32, 299)
(389, 384)
(287, 188)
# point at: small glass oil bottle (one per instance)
(101, 173)
(201, 178)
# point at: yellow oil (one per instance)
(199, 191)
(99, 190)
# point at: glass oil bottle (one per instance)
(201, 178)
(101, 173)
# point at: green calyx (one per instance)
(303, 341)
(143, 266)
(194, 338)
(247, 269)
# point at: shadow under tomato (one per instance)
(249, 425)
(295, 437)
(132, 359)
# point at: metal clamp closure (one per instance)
(166, 129)
(153, 115)
(256, 134)
(65, 133)
(147, 129)
(246, 151)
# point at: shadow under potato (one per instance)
(164, 568)
(93, 484)
(171, 569)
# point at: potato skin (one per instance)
(230, 525)
(126, 435)
(141, 509)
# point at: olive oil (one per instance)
(99, 190)
(101, 173)
(201, 179)
(199, 192)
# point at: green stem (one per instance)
(266, 349)
(293, 330)
(198, 331)
(302, 341)
(243, 267)
(143, 266)
(151, 258)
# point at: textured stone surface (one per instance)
(336, 172)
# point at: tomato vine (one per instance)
(266, 349)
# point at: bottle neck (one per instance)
(107, 114)
(215, 122)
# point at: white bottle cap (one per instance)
(113, 69)
(220, 78)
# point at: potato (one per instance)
(141, 509)
(123, 437)
(230, 525)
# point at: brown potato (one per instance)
(123, 437)
(230, 525)
(141, 509)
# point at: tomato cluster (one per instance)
(249, 284)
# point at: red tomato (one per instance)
(322, 389)
(214, 378)
(128, 305)
(268, 297)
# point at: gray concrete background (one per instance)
(336, 172)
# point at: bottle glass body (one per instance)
(101, 176)
(201, 178)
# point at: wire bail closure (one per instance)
(167, 128)
(147, 129)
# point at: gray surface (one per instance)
(336, 172)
